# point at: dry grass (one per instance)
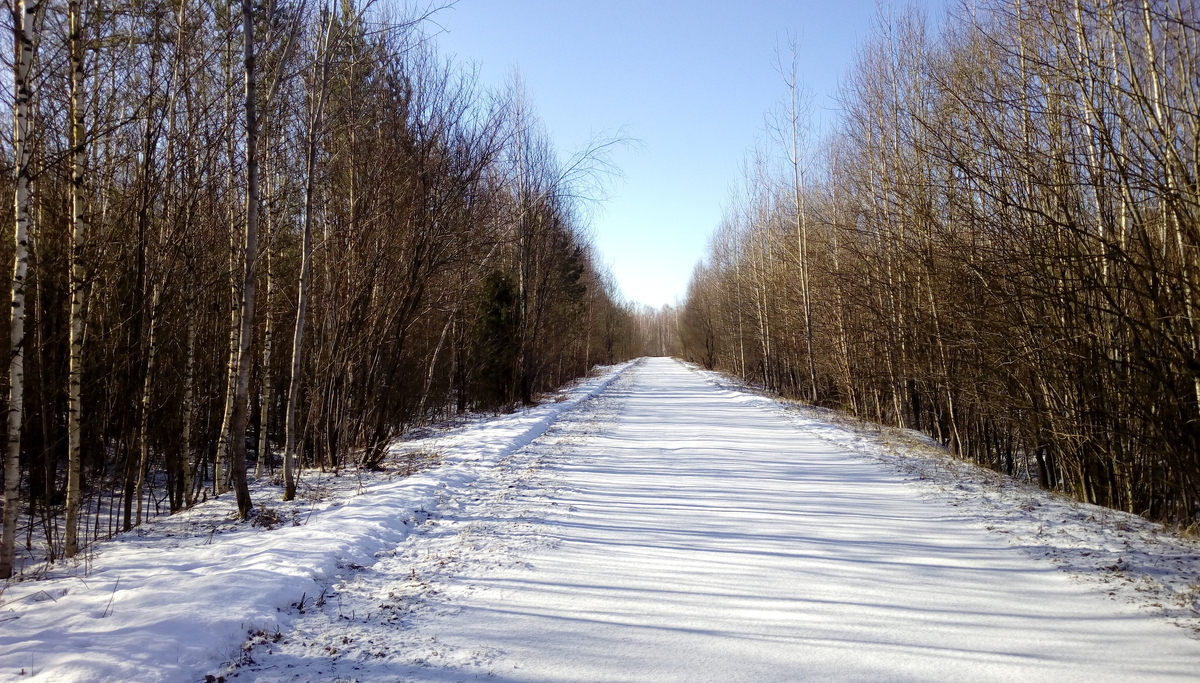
(412, 462)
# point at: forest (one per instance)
(252, 238)
(997, 242)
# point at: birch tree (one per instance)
(77, 276)
(317, 92)
(1001, 240)
(25, 34)
(241, 398)
(390, 207)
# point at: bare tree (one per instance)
(77, 278)
(25, 34)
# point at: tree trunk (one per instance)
(237, 430)
(264, 404)
(314, 127)
(796, 110)
(220, 462)
(24, 35)
(75, 371)
(189, 375)
(144, 421)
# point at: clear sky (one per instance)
(690, 80)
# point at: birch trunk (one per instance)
(264, 442)
(237, 465)
(796, 110)
(189, 374)
(264, 405)
(75, 371)
(144, 421)
(220, 463)
(437, 350)
(314, 127)
(222, 456)
(24, 34)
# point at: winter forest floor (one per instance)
(654, 523)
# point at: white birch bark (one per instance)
(237, 436)
(264, 442)
(221, 459)
(189, 402)
(795, 114)
(24, 35)
(78, 231)
(235, 326)
(314, 127)
(264, 406)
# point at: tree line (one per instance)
(253, 237)
(998, 243)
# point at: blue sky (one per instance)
(690, 80)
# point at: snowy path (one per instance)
(665, 530)
(699, 537)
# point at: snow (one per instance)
(674, 527)
(164, 602)
(1122, 555)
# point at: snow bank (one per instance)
(149, 612)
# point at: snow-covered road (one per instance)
(687, 533)
(667, 529)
